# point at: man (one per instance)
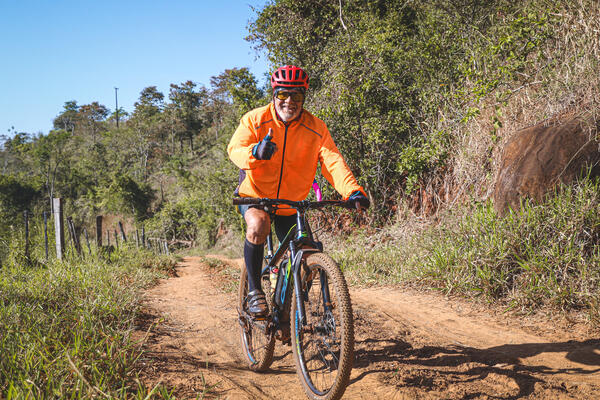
(277, 148)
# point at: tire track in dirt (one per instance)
(408, 346)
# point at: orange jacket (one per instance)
(289, 174)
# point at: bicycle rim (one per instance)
(324, 348)
(257, 342)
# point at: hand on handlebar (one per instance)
(361, 202)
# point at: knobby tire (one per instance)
(324, 352)
(257, 346)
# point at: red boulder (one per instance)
(537, 158)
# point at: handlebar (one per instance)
(301, 205)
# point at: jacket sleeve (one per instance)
(241, 144)
(335, 170)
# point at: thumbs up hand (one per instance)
(265, 148)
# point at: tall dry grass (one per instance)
(562, 79)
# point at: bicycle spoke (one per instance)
(324, 354)
(257, 342)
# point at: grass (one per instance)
(543, 256)
(227, 275)
(66, 326)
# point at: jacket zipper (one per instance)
(282, 159)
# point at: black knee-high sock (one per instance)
(253, 256)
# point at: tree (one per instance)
(240, 87)
(186, 111)
(68, 119)
(48, 154)
(150, 103)
(147, 125)
(91, 117)
(376, 69)
(125, 195)
(123, 116)
(16, 196)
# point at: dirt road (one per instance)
(408, 346)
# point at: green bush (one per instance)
(202, 203)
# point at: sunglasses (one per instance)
(296, 96)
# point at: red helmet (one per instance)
(289, 76)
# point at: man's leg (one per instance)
(283, 224)
(258, 227)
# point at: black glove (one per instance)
(358, 197)
(265, 148)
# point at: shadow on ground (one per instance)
(439, 367)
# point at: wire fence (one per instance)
(50, 235)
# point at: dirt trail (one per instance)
(408, 346)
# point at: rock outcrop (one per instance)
(538, 158)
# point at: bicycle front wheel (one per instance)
(257, 339)
(323, 348)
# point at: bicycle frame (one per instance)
(299, 240)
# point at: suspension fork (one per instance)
(325, 290)
(296, 257)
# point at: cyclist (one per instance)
(277, 148)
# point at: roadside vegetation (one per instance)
(66, 326)
(543, 256)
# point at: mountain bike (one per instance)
(309, 306)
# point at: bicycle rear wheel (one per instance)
(257, 339)
(324, 348)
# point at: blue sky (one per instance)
(53, 51)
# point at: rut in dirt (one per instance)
(409, 345)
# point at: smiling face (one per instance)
(287, 108)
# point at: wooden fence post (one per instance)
(73, 235)
(77, 238)
(58, 227)
(137, 238)
(45, 216)
(99, 231)
(143, 236)
(26, 220)
(116, 240)
(122, 232)
(69, 231)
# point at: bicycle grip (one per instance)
(239, 201)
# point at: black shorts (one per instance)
(283, 223)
